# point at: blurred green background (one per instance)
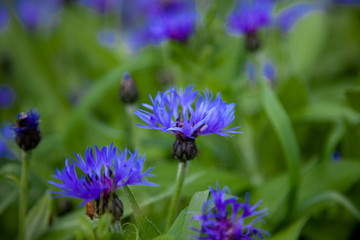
(292, 127)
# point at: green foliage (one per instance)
(291, 126)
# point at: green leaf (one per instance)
(147, 230)
(329, 176)
(64, 227)
(86, 227)
(334, 137)
(330, 196)
(283, 128)
(8, 199)
(194, 208)
(292, 232)
(103, 227)
(38, 218)
(306, 50)
(176, 228)
(293, 94)
(353, 97)
(326, 111)
(164, 237)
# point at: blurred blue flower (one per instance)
(4, 17)
(107, 37)
(27, 132)
(223, 217)
(102, 6)
(8, 131)
(151, 22)
(7, 96)
(188, 113)
(250, 16)
(38, 14)
(105, 172)
(346, 2)
(336, 156)
(250, 70)
(5, 152)
(269, 71)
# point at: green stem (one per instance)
(116, 227)
(131, 127)
(182, 169)
(23, 193)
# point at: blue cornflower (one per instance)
(27, 132)
(249, 16)
(7, 96)
(105, 172)
(161, 21)
(38, 14)
(250, 71)
(188, 114)
(5, 151)
(4, 17)
(102, 6)
(223, 217)
(269, 71)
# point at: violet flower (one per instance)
(250, 16)
(4, 17)
(103, 173)
(224, 218)
(152, 22)
(38, 14)
(187, 114)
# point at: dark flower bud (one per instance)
(27, 133)
(128, 91)
(184, 148)
(252, 42)
(115, 207)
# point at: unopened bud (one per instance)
(184, 149)
(252, 42)
(115, 207)
(128, 92)
(27, 130)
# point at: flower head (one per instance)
(101, 6)
(7, 96)
(250, 16)
(27, 132)
(162, 20)
(38, 14)
(223, 217)
(4, 17)
(188, 114)
(269, 71)
(105, 172)
(128, 91)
